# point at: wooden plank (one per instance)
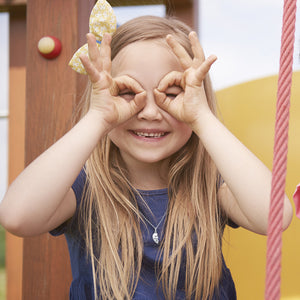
(17, 78)
(181, 3)
(13, 267)
(135, 2)
(12, 2)
(149, 2)
(183, 10)
(8, 3)
(12, 6)
(51, 95)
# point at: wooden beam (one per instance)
(180, 3)
(183, 10)
(8, 3)
(12, 6)
(149, 2)
(51, 95)
(17, 78)
(12, 2)
(134, 2)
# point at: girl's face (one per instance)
(152, 135)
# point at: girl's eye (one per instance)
(127, 95)
(172, 96)
(173, 91)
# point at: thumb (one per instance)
(138, 103)
(161, 99)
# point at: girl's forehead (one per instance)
(158, 45)
(145, 53)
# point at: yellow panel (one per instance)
(248, 110)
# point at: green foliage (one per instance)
(2, 247)
(2, 264)
(2, 284)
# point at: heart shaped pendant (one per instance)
(155, 237)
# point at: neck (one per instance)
(146, 176)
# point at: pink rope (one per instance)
(274, 242)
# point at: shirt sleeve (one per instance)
(78, 188)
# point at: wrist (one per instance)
(204, 121)
(98, 121)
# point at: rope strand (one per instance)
(274, 242)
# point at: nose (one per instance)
(151, 110)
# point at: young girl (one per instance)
(159, 175)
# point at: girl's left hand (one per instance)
(188, 105)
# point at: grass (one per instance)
(2, 265)
(2, 247)
(2, 284)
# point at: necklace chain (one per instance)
(155, 236)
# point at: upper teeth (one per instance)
(145, 134)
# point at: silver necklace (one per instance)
(155, 236)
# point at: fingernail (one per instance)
(213, 57)
(193, 34)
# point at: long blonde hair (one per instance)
(193, 228)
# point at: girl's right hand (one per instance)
(115, 99)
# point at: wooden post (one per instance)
(51, 95)
(17, 78)
(183, 10)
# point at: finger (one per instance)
(138, 102)
(202, 71)
(133, 106)
(126, 82)
(105, 53)
(172, 78)
(113, 87)
(164, 102)
(93, 51)
(160, 98)
(197, 49)
(91, 70)
(184, 58)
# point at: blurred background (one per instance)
(245, 36)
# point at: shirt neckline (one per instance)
(163, 191)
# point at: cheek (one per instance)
(178, 126)
(184, 131)
(115, 135)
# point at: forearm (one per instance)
(247, 177)
(39, 190)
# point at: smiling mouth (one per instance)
(150, 134)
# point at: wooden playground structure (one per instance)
(43, 95)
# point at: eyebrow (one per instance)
(132, 77)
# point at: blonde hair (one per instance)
(193, 228)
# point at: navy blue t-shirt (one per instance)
(82, 284)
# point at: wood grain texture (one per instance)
(184, 10)
(17, 82)
(52, 90)
(12, 2)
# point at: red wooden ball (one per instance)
(49, 47)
